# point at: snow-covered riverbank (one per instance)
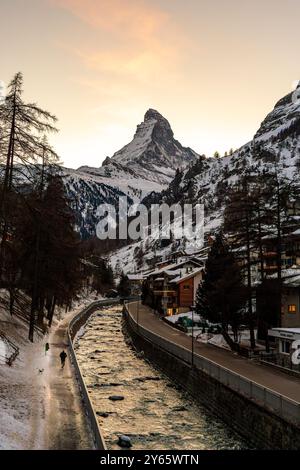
(24, 385)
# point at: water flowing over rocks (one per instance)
(152, 414)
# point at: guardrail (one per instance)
(73, 328)
(286, 408)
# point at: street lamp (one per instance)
(137, 313)
(192, 307)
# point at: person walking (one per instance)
(47, 347)
(63, 356)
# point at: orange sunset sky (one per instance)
(213, 68)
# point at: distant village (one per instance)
(170, 285)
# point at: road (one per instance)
(266, 376)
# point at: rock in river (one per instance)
(124, 441)
(102, 414)
(116, 398)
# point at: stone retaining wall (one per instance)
(261, 428)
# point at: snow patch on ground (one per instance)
(174, 318)
(23, 386)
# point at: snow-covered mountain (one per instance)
(274, 148)
(153, 153)
(154, 167)
(148, 163)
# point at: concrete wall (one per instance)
(261, 428)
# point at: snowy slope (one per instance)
(274, 148)
(148, 163)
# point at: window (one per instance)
(186, 286)
(172, 311)
(292, 308)
(285, 347)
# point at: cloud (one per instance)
(131, 17)
(139, 37)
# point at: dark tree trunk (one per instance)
(278, 250)
(249, 283)
(11, 300)
(40, 318)
(52, 311)
(232, 344)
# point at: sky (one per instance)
(213, 68)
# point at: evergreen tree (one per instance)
(103, 277)
(257, 210)
(222, 295)
(22, 128)
(22, 124)
(124, 286)
(51, 273)
(239, 222)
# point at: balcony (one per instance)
(270, 268)
(165, 292)
(270, 254)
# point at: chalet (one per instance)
(136, 282)
(186, 287)
(172, 289)
(289, 257)
(290, 252)
(285, 346)
(290, 305)
(269, 300)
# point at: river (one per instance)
(155, 413)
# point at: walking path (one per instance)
(66, 426)
(267, 377)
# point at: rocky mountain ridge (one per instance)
(148, 163)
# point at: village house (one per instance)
(290, 252)
(286, 343)
(136, 282)
(172, 289)
(290, 305)
(290, 275)
(283, 338)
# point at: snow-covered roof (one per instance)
(172, 267)
(291, 277)
(173, 272)
(287, 330)
(135, 277)
(186, 276)
(285, 333)
(292, 282)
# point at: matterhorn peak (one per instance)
(153, 114)
(154, 149)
